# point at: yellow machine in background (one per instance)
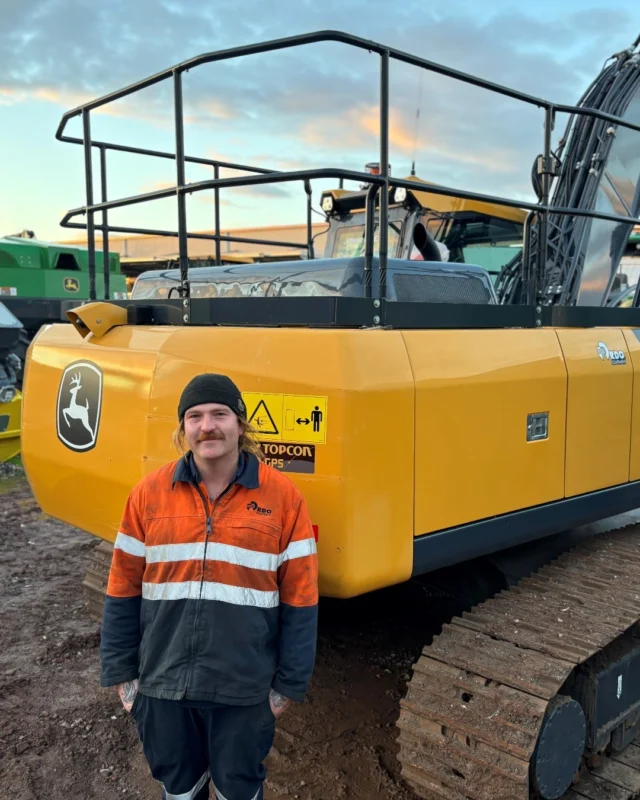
(468, 231)
(10, 414)
(11, 340)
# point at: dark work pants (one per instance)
(187, 746)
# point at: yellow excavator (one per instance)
(431, 415)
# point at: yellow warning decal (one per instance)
(305, 418)
(264, 412)
(287, 417)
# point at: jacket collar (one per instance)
(247, 474)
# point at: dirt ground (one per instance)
(62, 736)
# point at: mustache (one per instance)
(209, 437)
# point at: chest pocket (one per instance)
(248, 531)
(175, 517)
(178, 529)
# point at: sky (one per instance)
(312, 106)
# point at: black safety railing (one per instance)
(379, 184)
(216, 237)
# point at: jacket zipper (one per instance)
(208, 529)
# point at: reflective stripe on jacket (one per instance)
(212, 601)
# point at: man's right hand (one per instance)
(278, 702)
(128, 692)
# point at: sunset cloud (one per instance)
(296, 109)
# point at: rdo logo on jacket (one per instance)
(253, 506)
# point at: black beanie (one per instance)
(210, 388)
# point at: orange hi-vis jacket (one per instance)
(213, 602)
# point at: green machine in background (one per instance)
(35, 269)
(37, 281)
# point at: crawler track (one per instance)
(96, 578)
(476, 702)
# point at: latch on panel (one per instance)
(538, 426)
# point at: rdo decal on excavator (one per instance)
(79, 405)
(614, 356)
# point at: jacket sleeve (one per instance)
(120, 637)
(298, 585)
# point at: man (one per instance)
(210, 617)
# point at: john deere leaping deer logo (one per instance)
(74, 410)
(79, 405)
(71, 285)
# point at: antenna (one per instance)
(417, 125)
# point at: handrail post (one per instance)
(529, 288)
(88, 171)
(369, 228)
(310, 250)
(181, 197)
(106, 266)
(383, 218)
(543, 231)
(216, 197)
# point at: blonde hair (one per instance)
(248, 441)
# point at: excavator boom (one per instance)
(570, 259)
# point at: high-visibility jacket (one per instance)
(212, 601)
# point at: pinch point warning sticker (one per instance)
(288, 417)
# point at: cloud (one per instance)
(9, 96)
(81, 46)
(268, 191)
(68, 99)
(359, 128)
(209, 200)
(207, 110)
(317, 105)
(155, 186)
(265, 190)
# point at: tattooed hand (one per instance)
(279, 703)
(128, 692)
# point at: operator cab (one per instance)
(465, 231)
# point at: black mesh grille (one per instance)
(440, 289)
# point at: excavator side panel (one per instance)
(598, 408)
(359, 484)
(475, 390)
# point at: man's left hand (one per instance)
(278, 702)
(128, 692)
